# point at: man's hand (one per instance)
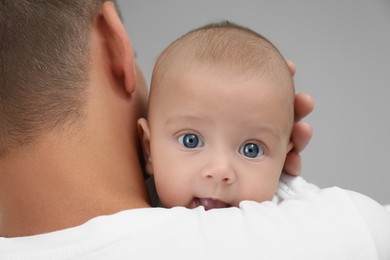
(301, 132)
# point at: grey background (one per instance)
(342, 53)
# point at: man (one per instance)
(70, 95)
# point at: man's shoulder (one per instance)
(320, 219)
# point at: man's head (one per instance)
(70, 97)
(44, 67)
(220, 118)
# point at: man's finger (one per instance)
(291, 67)
(303, 106)
(301, 135)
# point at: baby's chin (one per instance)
(208, 203)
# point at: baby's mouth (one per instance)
(211, 203)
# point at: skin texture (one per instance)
(71, 176)
(209, 102)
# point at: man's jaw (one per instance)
(209, 203)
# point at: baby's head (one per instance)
(219, 119)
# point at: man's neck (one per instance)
(57, 185)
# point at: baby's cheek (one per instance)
(170, 189)
(260, 191)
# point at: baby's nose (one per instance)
(220, 173)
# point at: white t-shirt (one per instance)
(310, 224)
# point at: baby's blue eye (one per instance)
(251, 150)
(190, 141)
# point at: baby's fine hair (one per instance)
(221, 43)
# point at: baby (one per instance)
(219, 119)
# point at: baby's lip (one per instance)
(208, 203)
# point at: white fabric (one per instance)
(330, 223)
(291, 187)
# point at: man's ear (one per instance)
(144, 135)
(118, 46)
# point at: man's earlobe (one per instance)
(118, 46)
(144, 135)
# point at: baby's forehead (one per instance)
(225, 85)
(222, 80)
(240, 66)
(215, 73)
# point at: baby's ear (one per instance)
(144, 135)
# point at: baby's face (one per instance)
(218, 139)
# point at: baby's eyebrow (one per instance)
(180, 117)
